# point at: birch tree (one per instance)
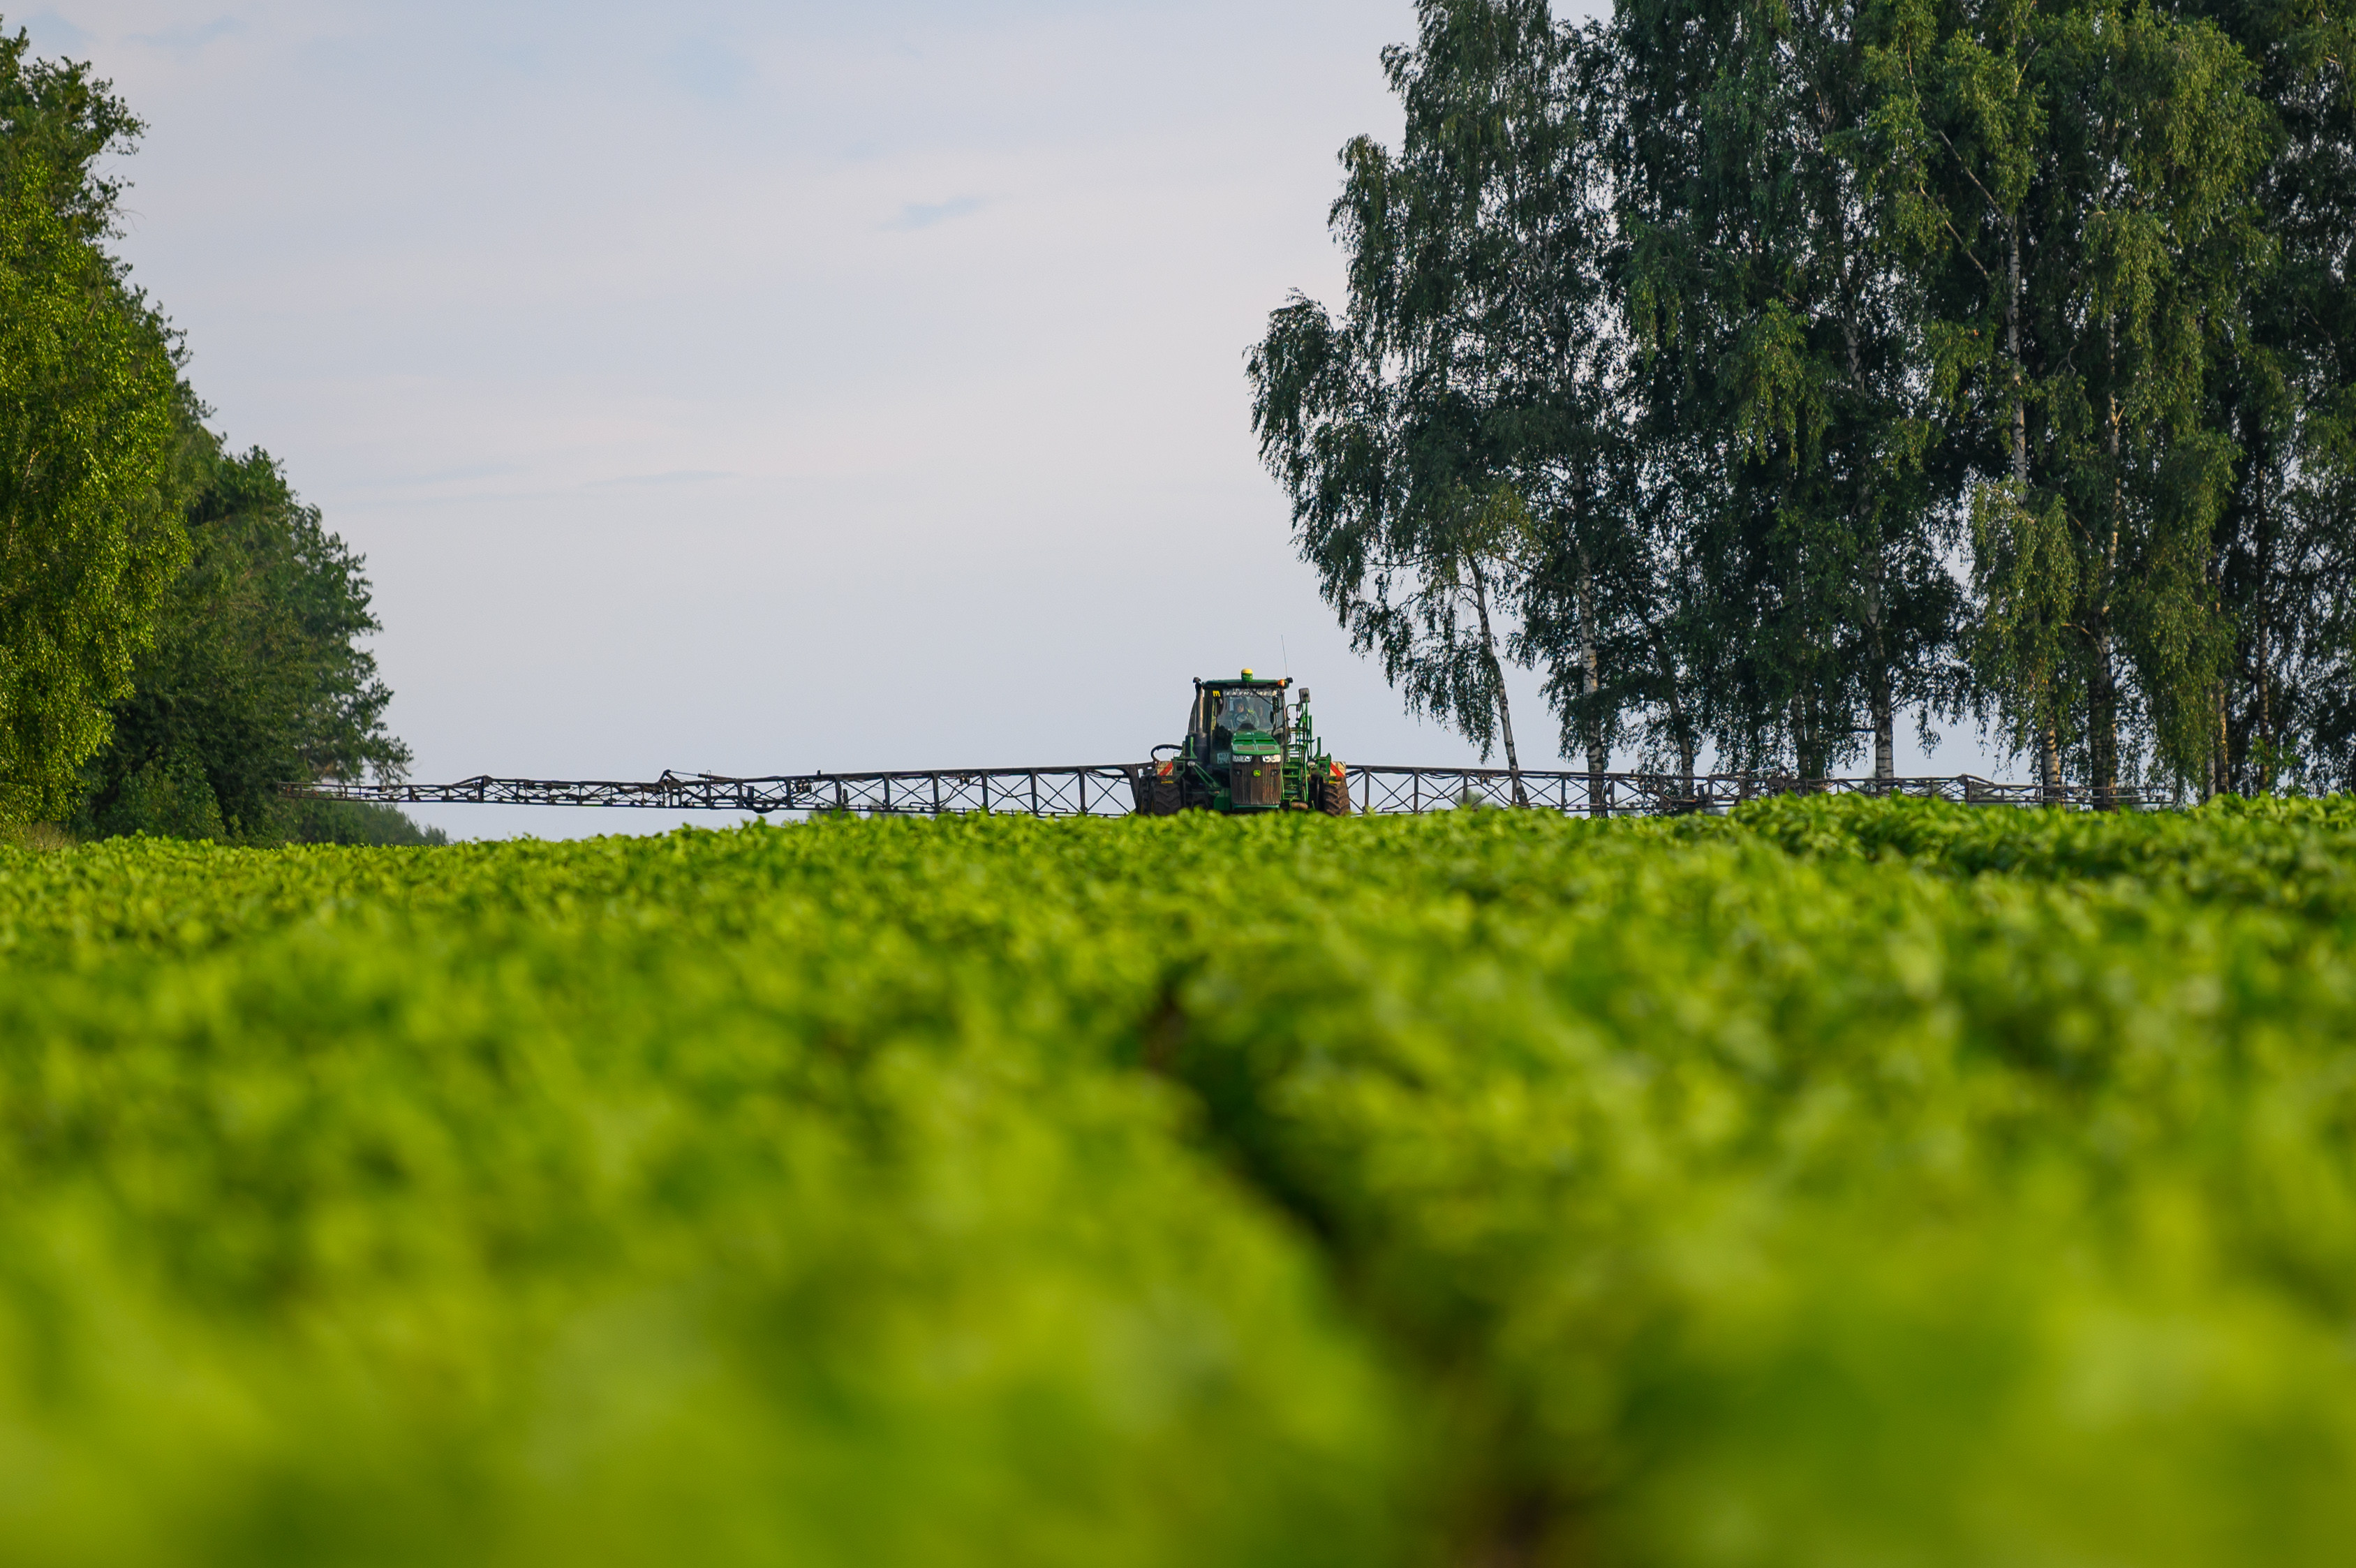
(1432, 437)
(1772, 321)
(2078, 182)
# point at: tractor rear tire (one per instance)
(1333, 794)
(1164, 799)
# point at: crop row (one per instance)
(1851, 1181)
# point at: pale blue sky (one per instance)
(759, 388)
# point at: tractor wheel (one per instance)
(1334, 793)
(1166, 800)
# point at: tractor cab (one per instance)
(1228, 716)
(1245, 750)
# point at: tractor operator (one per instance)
(1248, 710)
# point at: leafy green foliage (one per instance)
(1424, 435)
(89, 402)
(2287, 538)
(1851, 1180)
(712, 1198)
(2078, 184)
(1817, 1192)
(1973, 358)
(355, 823)
(135, 695)
(1773, 335)
(255, 677)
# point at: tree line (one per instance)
(1759, 371)
(178, 632)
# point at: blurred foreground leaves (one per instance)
(1848, 1183)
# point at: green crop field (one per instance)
(1843, 1184)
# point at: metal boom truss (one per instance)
(1111, 790)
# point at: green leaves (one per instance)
(1755, 306)
(610, 1201)
(89, 403)
(2026, 570)
(88, 531)
(2078, 184)
(1457, 370)
(1780, 404)
(256, 676)
(1861, 1181)
(135, 695)
(1853, 1178)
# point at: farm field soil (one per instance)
(1846, 1182)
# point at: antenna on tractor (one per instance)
(1288, 658)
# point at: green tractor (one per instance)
(1245, 752)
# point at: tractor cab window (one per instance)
(1243, 710)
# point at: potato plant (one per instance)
(1843, 1182)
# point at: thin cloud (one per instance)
(669, 476)
(187, 39)
(924, 214)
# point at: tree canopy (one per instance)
(255, 676)
(89, 435)
(178, 633)
(1968, 359)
